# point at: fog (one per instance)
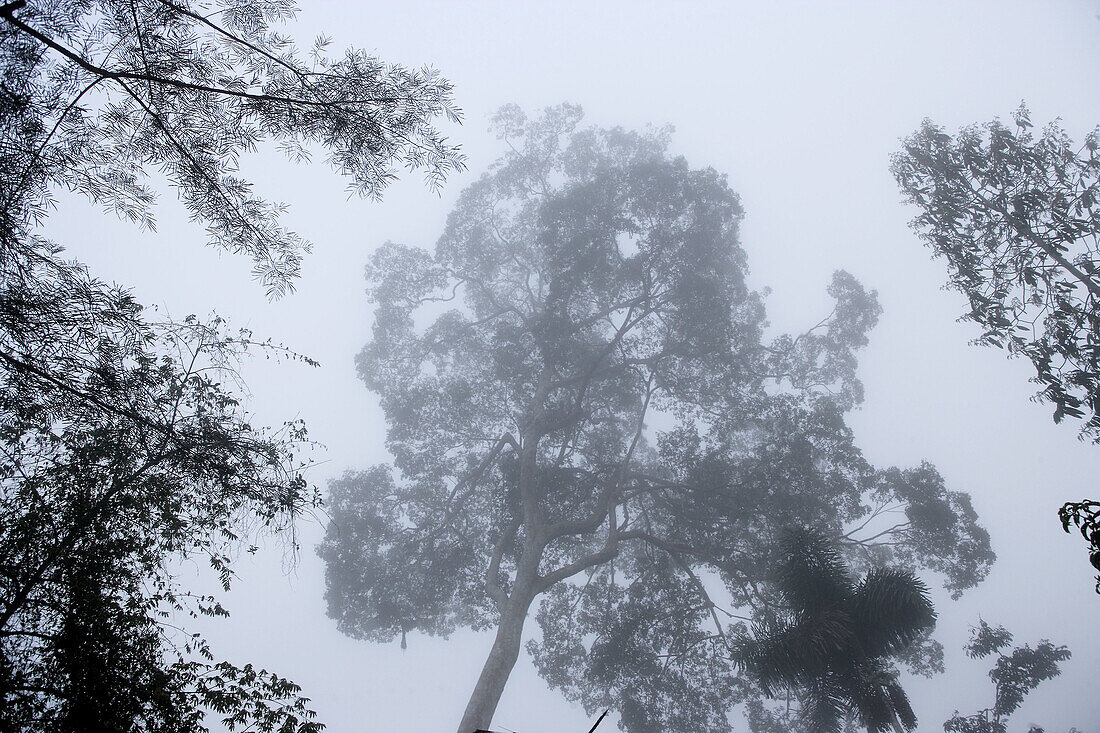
(801, 106)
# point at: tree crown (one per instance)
(582, 403)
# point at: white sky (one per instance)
(801, 105)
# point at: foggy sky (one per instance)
(801, 104)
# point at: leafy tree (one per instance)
(600, 421)
(98, 94)
(835, 637)
(1017, 217)
(121, 451)
(1014, 676)
(123, 445)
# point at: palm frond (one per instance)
(791, 652)
(776, 655)
(811, 573)
(825, 706)
(891, 608)
(869, 694)
(902, 707)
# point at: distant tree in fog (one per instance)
(583, 407)
(1014, 676)
(833, 640)
(124, 446)
(1017, 216)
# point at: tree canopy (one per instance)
(122, 453)
(1017, 216)
(583, 405)
(125, 446)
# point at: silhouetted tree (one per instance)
(1014, 676)
(1017, 217)
(121, 453)
(123, 446)
(598, 420)
(834, 639)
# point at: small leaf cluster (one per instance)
(1085, 516)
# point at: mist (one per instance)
(783, 118)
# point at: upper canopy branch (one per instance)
(7, 12)
(464, 487)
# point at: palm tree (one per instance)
(834, 639)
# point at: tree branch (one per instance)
(164, 81)
(492, 580)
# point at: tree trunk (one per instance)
(505, 651)
(494, 675)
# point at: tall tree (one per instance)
(834, 639)
(1017, 216)
(124, 445)
(599, 421)
(1014, 676)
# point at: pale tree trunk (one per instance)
(494, 675)
(513, 612)
(505, 651)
